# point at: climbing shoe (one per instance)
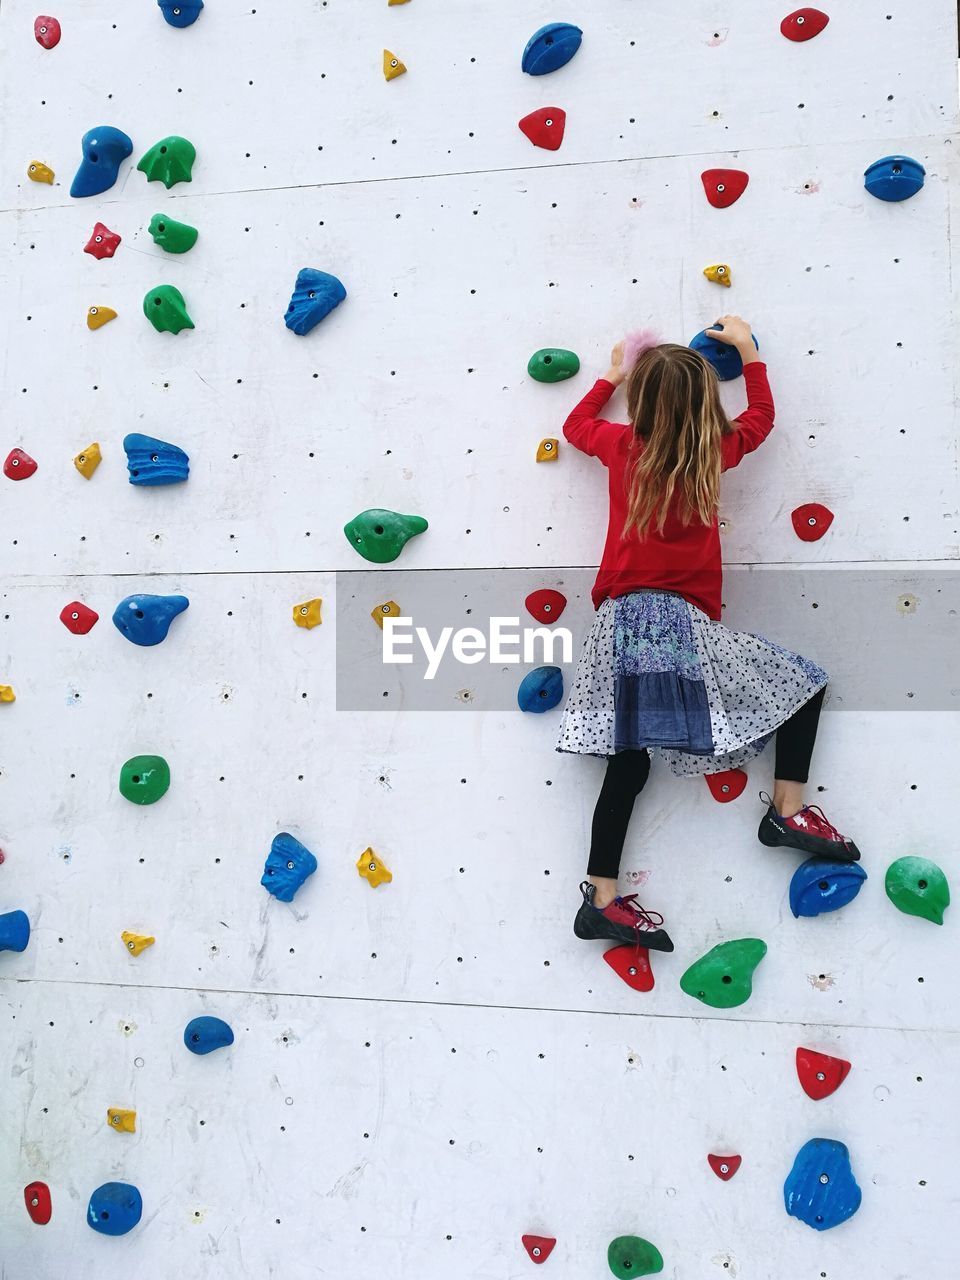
(809, 831)
(624, 920)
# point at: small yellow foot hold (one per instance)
(39, 172)
(7, 694)
(389, 609)
(372, 869)
(719, 273)
(122, 1121)
(97, 317)
(392, 66)
(548, 450)
(88, 461)
(136, 942)
(308, 614)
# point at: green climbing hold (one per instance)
(723, 977)
(175, 237)
(380, 535)
(633, 1256)
(918, 887)
(552, 364)
(166, 309)
(144, 779)
(169, 161)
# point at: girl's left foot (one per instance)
(623, 920)
(809, 831)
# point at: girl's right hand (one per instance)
(735, 333)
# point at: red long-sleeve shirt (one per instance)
(683, 558)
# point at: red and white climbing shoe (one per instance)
(624, 920)
(809, 831)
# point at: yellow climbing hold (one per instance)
(392, 66)
(719, 273)
(392, 2)
(389, 609)
(122, 1121)
(372, 869)
(39, 172)
(136, 942)
(7, 694)
(97, 317)
(548, 450)
(88, 461)
(308, 614)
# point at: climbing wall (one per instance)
(425, 1071)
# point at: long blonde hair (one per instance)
(674, 403)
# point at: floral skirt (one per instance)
(657, 673)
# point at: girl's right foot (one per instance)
(809, 831)
(624, 920)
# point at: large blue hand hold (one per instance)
(820, 1189)
(153, 462)
(287, 866)
(180, 13)
(115, 1208)
(550, 48)
(104, 150)
(818, 886)
(14, 931)
(315, 295)
(145, 620)
(724, 358)
(203, 1035)
(894, 178)
(540, 689)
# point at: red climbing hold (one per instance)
(545, 605)
(811, 521)
(632, 964)
(103, 242)
(36, 1196)
(725, 1166)
(19, 465)
(545, 127)
(820, 1075)
(78, 618)
(47, 32)
(727, 785)
(539, 1247)
(724, 187)
(803, 24)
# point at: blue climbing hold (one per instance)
(724, 358)
(541, 689)
(550, 48)
(894, 178)
(287, 866)
(203, 1035)
(820, 1189)
(819, 885)
(104, 150)
(180, 13)
(115, 1208)
(152, 462)
(145, 620)
(315, 295)
(14, 931)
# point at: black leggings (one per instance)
(627, 772)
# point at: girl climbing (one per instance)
(659, 671)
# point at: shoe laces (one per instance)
(821, 825)
(648, 920)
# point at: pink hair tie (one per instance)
(634, 344)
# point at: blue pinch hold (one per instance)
(550, 48)
(115, 1208)
(203, 1035)
(14, 931)
(287, 866)
(819, 885)
(104, 150)
(894, 178)
(820, 1189)
(315, 295)
(145, 620)
(180, 13)
(724, 358)
(540, 690)
(153, 462)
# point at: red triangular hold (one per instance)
(538, 1247)
(724, 187)
(545, 127)
(632, 964)
(820, 1075)
(19, 465)
(726, 786)
(724, 1166)
(546, 605)
(803, 24)
(811, 521)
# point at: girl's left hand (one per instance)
(615, 373)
